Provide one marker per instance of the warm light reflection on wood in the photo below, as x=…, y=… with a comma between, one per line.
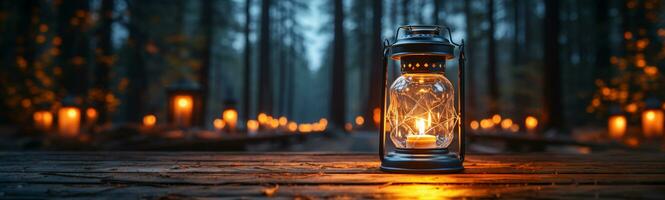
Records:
x=616, y=126
x=69, y=121
x=652, y=123
x=182, y=111
x=428, y=192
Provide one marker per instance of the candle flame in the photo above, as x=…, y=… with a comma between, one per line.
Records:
x=420, y=124
x=183, y=101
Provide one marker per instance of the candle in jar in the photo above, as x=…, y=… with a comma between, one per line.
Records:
x=69, y=121
x=652, y=123
x=421, y=140
x=616, y=126
x=182, y=112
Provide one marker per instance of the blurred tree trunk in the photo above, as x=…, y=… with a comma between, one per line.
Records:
x=552, y=87
x=602, y=43
x=207, y=18
x=376, y=67
x=437, y=10
x=282, y=32
x=72, y=27
x=405, y=12
x=471, y=85
x=248, y=62
x=492, y=76
x=338, y=85
x=136, y=72
x=104, y=60
x=265, y=74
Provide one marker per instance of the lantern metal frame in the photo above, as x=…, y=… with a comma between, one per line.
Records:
x=423, y=40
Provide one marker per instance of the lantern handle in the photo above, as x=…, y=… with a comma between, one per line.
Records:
x=461, y=126
x=384, y=84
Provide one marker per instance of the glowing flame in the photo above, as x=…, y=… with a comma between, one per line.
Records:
x=420, y=124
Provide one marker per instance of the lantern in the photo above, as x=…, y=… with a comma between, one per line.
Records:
x=230, y=115
x=421, y=112
x=653, y=119
x=184, y=104
x=616, y=123
x=43, y=118
x=69, y=118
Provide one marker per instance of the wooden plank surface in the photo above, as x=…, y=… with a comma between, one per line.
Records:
x=323, y=175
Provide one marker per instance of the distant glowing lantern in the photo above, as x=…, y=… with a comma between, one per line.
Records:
x=252, y=126
x=616, y=123
x=292, y=126
x=531, y=124
x=230, y=115
x=496, y=119
x=69, y=118
x=506, y=124
x=283, y=121
x=149, y=121
x=43, y=119
x=422, y=112
x=653, y=119
x=218, y=124
x=91, y=116
x=376, y=116
x=474, y=125
x=230, y=118
x=305, y=128
x=263, y=118
x=184, y=104
x=360, y=120
x=348, y=127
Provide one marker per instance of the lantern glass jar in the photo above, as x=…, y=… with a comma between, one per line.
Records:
x=422, y=112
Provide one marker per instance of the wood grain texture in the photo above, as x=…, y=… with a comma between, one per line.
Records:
x=150, y=175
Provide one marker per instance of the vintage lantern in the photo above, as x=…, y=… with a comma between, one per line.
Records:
x=69, y=118
x=184, y=104
x=421, y=111
x=617, y=124
x=653, y=119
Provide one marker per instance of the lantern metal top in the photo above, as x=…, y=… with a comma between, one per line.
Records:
x=422, y=40
x=184, y=85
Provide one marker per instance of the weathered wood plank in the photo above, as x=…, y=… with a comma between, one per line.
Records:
x=322, y=178
x=392, y=191
x=130, y=175
x=472, y=167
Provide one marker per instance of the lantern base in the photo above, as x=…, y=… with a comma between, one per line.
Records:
x=421, y=161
